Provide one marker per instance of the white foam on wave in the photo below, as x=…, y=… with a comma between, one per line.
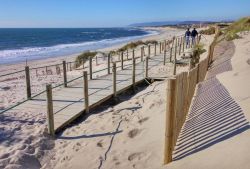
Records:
x=15, y=55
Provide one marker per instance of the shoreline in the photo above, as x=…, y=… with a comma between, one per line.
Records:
x=165, y=32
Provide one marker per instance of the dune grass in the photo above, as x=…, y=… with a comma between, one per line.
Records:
x=231, y=31
x=83, y=57
x=209, y=31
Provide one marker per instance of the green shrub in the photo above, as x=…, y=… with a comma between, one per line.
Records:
x=82, y=58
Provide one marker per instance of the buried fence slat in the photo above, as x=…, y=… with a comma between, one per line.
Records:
x=170, y=119
x=28, y=86
x=50, y=115
x=85, y=91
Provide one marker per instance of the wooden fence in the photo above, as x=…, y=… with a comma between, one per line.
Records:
x=180, y=92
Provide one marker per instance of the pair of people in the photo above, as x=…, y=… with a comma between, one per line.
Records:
x=193, y=35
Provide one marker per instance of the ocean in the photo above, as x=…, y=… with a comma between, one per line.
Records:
x=19, y=44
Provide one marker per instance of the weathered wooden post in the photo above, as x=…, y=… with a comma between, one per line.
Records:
x=133, y=54
x=70, y=66
x=127, y=54
x=64, y=74
x=122, y=60
x=142, y=53
x=50, y=114
x=170, y=120
x=164, y=59
x=133, y=75
x=109, y=57
x=160, y=47
x=146, y=67
x=183, y=45
x=149, y=52
x=28, y=86
x=85, y=91
x=198, y=73
x=155, y=48
x=114, y=79
x=96, y=60
x=46, y=70
x=90, y=68
x=175, y=51
x=171, y=54
x=174, y=72
x=180, y=49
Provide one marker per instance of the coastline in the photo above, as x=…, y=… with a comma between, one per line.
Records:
x=165, y=32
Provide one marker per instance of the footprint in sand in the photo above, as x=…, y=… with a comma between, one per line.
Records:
x=135, y=156
x=133, y=133
x=143, y=120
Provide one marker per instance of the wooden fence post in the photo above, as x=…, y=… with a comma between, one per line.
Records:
x=146, y=67
x=149, y=51
x=64, y=74
x=142, y=53
x=127, y=54
x=50, y=114
x=170, y=120
x=183, y=44
x=198, y=73
x=133, y=54
x=155, y=48
x=114, y=79
x=109, y=63
x=174, y=72
x=160, y=47
x=90, y=68
x=96, y=60
x=164, y=59
x=133, y=74
x=122, y=60
x=28, y=86
x=85, y=91
x=180, y=49
x=171, y=54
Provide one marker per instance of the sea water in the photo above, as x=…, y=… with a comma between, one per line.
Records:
x=19, y=44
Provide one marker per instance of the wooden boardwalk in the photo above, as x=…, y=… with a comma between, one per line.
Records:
x=68, y=102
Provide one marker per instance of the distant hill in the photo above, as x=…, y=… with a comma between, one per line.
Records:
x=170, y=23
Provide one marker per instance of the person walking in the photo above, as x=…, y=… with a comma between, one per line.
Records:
x=187, y=37
x=194, y=34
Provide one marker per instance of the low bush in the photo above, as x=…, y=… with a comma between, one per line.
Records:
x=82, y=58
x=209, y=31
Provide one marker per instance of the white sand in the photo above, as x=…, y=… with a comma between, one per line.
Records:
x=127, y=135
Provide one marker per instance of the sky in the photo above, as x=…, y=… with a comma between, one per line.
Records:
x=114, y=13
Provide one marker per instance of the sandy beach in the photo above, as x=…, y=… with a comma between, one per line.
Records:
x=24, y=139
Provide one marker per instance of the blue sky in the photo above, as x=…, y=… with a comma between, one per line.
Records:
x=113, y=13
